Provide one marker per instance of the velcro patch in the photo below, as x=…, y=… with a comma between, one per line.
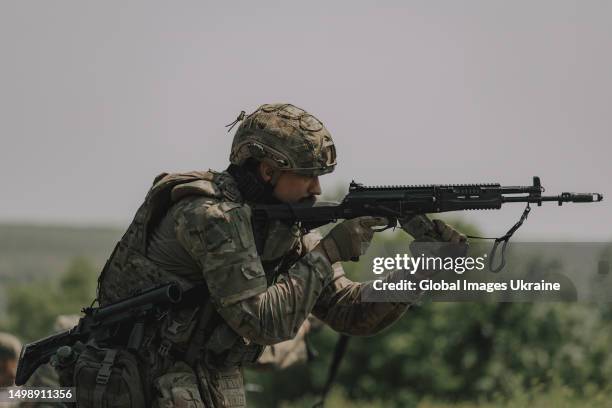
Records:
x=197, y=187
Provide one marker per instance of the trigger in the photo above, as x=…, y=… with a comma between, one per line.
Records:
x=392, y=224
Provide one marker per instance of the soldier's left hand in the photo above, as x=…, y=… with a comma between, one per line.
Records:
x=448, y=233
x=425, y=230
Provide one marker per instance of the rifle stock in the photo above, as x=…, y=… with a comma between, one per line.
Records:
x=39, y=352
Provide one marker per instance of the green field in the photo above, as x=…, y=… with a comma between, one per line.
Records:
x=30, y=252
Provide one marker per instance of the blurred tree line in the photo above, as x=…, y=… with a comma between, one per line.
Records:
x=450, y=352
x=32, y=307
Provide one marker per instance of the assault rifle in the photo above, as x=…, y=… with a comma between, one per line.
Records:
x=397, y=202
x=123, y=321
x=401, y=202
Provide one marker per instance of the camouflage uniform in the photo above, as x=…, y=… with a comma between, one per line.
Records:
x=196, y=227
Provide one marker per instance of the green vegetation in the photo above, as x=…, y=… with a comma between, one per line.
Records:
x=557, y=396
x=463, y=352
x=30, y=254
x=439, y=355
x=33, y=307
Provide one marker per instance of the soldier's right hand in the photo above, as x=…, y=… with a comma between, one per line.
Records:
x=350, y=239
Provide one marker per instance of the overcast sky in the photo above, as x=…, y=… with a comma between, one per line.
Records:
x=96, y=98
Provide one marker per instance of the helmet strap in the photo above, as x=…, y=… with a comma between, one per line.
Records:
x=275, y=176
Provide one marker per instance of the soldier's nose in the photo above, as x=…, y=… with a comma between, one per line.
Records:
x=315, y=186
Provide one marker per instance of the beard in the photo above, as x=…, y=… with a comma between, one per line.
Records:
x=310, y=200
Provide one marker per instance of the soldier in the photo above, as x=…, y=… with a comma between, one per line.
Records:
x=263, y=280
x=10, y=347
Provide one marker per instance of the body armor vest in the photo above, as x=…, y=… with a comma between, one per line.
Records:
x=128, y=269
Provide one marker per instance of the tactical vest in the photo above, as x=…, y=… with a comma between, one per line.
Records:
x=128, y=269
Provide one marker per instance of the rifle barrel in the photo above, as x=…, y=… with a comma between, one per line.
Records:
x=561, y=198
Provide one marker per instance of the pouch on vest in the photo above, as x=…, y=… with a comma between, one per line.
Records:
x=106, y=377
x=178, y=388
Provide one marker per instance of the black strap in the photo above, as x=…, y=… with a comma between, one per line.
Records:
x=505, y=238
x=196, y=345
x=339, y=351
x=104, y=374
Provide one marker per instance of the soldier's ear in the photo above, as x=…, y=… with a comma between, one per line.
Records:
x=266, y=172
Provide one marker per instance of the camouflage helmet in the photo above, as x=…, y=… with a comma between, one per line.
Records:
x=287, y=137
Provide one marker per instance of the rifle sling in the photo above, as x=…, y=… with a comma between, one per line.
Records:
x=505, y=239
x=339, y=351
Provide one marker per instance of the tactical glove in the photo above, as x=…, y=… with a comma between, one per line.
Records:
x=350, y=239
x=425, y=230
